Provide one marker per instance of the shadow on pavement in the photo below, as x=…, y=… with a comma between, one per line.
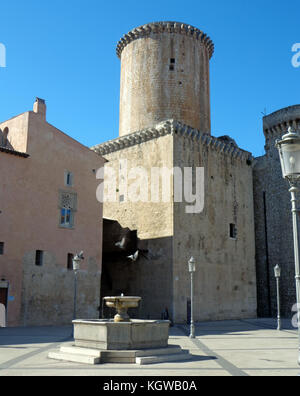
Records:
x=41, y=335
x=33, y=335
x=232, y=327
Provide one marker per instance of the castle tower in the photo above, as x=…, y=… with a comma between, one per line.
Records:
x=165, y=125
x=164, y=75
x=273, y=221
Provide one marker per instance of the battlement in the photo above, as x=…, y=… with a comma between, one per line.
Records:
x=222, y=144
x=278, y=122
x=165, y=27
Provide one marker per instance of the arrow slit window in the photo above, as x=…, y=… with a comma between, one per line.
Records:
x=232, y=231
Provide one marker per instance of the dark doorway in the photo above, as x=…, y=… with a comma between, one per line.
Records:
x=3, y=296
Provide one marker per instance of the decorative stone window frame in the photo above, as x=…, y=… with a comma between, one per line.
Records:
x=67, y=200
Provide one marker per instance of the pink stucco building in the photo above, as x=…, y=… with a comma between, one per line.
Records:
x=48, y=212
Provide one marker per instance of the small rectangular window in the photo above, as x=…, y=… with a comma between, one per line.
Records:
x=172, y=60
x=39, y=258
x=70, y=261
x=1, y=248
x=68, y=179
x=171, y=67
x=232, y=231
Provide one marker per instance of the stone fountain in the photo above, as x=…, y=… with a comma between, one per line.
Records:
x=120, y=340
x=122, y=304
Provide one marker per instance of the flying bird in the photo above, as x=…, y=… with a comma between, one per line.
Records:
x=121, y=244
x=80, y=255
x=134, y=256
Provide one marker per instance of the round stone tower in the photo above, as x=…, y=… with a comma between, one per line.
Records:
x=273, y=221
x=164, y=75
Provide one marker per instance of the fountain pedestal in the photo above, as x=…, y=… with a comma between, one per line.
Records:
x=110, y=335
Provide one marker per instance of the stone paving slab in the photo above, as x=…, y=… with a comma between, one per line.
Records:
x=228, y=348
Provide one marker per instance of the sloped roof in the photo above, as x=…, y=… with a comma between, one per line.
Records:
x=13, y=152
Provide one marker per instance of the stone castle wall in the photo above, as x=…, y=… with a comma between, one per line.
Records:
x=225, y=279
x=273, y=219
x=149, y=277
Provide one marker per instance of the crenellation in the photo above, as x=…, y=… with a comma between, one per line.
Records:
x=278, y=130
x=218, y=146
x=279, y=121
x=205, y=39
x=170, y=127
x=177, y=28
x=209, y=141
x=295, y=124
x=131, y=35
x=231, y=150
x=235, y=153
x=161, y=27
x=147, y=29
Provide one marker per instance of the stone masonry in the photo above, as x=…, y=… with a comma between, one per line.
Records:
x=164, y=75
x=273, y=218
x=226, y=267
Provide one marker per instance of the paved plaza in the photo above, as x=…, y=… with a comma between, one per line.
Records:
x=251, y=347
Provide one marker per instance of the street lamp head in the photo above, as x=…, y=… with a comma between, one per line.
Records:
x=76, y=261
x=277, y=271
x=289, y=153
x=192, y=265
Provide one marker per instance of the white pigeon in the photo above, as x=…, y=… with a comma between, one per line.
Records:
x=121, y=244
x=134, y=256
x=80, y=255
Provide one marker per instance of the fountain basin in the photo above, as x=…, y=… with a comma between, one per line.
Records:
x=109, y=335
x=122, y=304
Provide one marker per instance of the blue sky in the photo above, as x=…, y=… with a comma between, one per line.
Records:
x=64, y=52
